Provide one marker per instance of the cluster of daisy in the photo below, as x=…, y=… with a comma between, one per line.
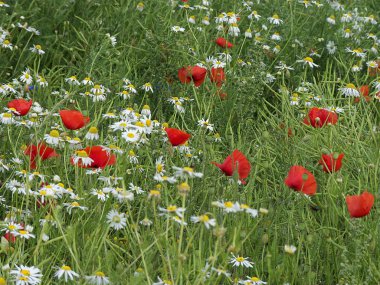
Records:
x=31, y=275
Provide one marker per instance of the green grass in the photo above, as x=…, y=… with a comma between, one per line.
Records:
x=332, y=248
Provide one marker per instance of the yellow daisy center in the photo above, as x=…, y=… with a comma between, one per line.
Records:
x=54, y=134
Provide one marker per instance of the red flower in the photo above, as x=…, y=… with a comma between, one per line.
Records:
x=236, y=161
x=222, y=95
x=300, y=179
x=360, y=205
x=319, y=117
x=177, y=137
x=331, y=162
x=39, y=150
x=218, y=76
x=73, y=120
x=99, y=155
x=192, y=73
x=222, y=42
x=364, y=91
x=21, y=106
x=11, y=238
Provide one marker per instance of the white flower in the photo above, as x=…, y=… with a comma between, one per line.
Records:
x=248, y=210
x=131, y=135
x=308, y=61
x=147, y=87
x=99, y=278
x=290, y=249
x=92, y=134
x=205, y=219
x=234, y=30
x=116, y=220
x=146, y=222
x=228, y=206
x=7, y=119
x=37, y=49
x=240, y=261
x=350, y=90
x=163, y=282
x=25, y=275
x=205, y=124
x=186, y=172
x=26, y=77
x=99, y=194
x=65, y=272
x=72, y=80
x=172, y=209
x=74, y=205
x=177, y=29
x=82, y=157
x=331, y=47
x=179, y=220
x=275, y=19
x=218, y=63
x=252, y=281
x=358, y=52
x=254, y=15
x=112, y=39
x=53, y=137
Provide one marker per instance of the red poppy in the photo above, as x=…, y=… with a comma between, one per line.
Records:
x=360, y=205
x=222, y=95
x=236, y=161
x=222, y=42
x=100, y=156
x=218, y=76
x=177, y=137
x=11, y=238
x=300, y=179
x=319, y=117
x=195, y=73
x=73, y=120
x=290, y=131
x=364, y=91
x=21, y=106
x=331, y=162
x=39, y=150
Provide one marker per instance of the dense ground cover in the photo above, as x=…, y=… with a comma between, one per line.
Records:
x=189, y=142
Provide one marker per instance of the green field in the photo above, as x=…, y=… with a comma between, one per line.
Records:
x=190, y=142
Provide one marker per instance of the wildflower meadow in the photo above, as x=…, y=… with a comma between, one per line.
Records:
x=171, y=142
